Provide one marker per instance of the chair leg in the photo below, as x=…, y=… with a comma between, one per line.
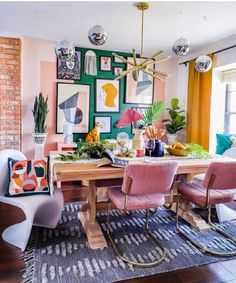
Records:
x=125, y=259
x=200, y=247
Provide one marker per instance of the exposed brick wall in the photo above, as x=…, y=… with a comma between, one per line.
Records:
x=10, y=93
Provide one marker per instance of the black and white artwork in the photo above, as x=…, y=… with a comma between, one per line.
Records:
x=69, y=70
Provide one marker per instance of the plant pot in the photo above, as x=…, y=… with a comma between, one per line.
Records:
x=158, y=150
x=138, y=142
x=171, y=138
x=39, y=142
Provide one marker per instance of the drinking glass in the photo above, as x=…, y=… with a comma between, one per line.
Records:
x=150, y=146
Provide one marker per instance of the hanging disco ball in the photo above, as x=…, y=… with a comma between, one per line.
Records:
x=65, y=50
x=180, y=46
x=97, y=35
x=203, y=63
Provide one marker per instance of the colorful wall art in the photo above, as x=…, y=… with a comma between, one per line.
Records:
x=140, y=92
x=105, y=122
x=105, y=63
x=107, y=97
x=73, y=107
x=69, y=70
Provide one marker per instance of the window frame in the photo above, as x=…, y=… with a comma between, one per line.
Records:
x=228, y=113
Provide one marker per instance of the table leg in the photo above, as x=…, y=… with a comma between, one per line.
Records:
x=87, y=216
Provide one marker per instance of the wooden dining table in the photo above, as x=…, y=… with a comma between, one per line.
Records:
x=93, y=175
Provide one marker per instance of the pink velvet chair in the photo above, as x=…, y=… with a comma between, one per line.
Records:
x=143, y=187
x=218, y=186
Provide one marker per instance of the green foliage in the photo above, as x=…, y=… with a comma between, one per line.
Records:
x=198, y=151
x=87, y=150
x=153, y=112
x=40, y=112
x=176, y=122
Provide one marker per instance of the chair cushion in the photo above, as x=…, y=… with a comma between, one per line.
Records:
x=135, y=201
x=27, y=177
x=195, y=193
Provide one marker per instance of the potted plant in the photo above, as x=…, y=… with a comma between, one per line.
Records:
x=40, y=111
x=176, y=122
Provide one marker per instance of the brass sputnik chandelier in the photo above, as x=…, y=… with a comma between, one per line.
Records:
x=145, y=65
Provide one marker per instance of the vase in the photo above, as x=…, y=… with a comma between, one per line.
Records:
x=39, y=142
x=138, y=142
x=158, y=150
x=171, y=138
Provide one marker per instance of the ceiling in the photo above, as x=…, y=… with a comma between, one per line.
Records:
x=202, y=23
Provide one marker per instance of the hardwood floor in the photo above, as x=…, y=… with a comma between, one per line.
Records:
x=11, y=264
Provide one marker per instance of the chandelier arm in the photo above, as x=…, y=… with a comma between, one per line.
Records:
x=152, y=57
x=154, y=76
x=123, y=59
x=134, y=56
x=126, y=72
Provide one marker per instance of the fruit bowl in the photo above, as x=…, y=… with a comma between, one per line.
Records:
x=178, y=152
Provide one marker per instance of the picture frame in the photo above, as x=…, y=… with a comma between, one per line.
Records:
x=117, y=71
x=106, y=123
x=146, y=89
x=105, y=63
x=73, y=102
x=107, y=95
x=136, y=124
x=117, y=60
x=70, y=70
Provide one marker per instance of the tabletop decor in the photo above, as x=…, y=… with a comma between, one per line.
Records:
x=153, y=133
x=73, y=107
x=94, y=135
x=175, y=122
x=40, y=111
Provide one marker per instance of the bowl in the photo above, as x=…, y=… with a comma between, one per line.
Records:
x=177, y=152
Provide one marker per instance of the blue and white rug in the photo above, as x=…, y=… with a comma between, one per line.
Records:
x=63, y=254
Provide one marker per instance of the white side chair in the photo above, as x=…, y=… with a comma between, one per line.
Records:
x=39, y=210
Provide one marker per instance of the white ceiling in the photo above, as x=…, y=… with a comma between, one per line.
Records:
x=164, y=22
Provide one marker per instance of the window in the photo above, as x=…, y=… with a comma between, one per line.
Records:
x=230, y=109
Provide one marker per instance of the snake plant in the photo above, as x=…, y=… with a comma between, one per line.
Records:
x=40, y=112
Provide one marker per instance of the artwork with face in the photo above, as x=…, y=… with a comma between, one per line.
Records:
x=69, y=69
x=107, y=95
x=73, y=107
x=105, y=63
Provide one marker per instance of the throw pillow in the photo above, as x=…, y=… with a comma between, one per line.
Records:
x=223, y=143
x=233, y=139
x=27, y=177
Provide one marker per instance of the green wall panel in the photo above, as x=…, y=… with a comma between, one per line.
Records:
x=85, y=79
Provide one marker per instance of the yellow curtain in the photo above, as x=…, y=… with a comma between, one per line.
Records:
x=198, y=106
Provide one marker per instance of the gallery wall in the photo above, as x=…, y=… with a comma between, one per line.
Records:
x=39, y=74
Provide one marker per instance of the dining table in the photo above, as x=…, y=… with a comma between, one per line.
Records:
x=105, y=176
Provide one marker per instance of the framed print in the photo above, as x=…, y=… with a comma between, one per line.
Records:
x=105, y=122
x=69, y=70
x=73, y=107
x=105, y=63
x=117, y=71
x=139, y=123
x=117, y=60
x=107, y=95
x=140, y=92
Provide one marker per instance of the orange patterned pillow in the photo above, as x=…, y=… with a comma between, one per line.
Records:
x=28, y=177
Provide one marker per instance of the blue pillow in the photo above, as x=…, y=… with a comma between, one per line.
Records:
x=223, y=143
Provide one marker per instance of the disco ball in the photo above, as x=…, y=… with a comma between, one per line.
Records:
x=97, y=35
x=65, y=50
x=203, y=63
x=180, y=46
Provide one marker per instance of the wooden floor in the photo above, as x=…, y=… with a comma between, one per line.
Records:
x=11, y=264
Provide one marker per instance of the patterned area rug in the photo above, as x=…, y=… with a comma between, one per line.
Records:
x=63, y=255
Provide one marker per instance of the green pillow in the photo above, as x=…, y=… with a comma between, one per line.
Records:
x=223, y=143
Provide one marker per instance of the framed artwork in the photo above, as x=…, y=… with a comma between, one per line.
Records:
x=107, y=95
x=117, y=71
x=105, y=63
x=73, y=107
x=69, y=70
x=139, y=123
x=105, y=122
x=140, y=92
x=117, y=60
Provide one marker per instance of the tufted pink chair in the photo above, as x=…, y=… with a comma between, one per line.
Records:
x=217, y=186
x=143, y=187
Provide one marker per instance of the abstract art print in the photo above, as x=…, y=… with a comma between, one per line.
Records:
x=140, y=92
x=105, y=122
x=107, y=96
x=69, y=70
x=105, y=63
x=73, y=107
x=117, y=71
